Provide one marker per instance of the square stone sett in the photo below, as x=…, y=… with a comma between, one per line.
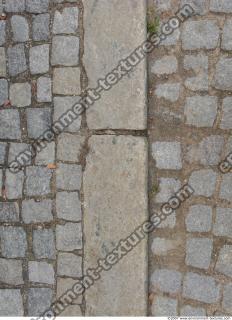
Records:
x=35, y=212
x=210, y=150
x=226, y=122
x=40, y=27
x=13, y=242
x=39, y=300
x=14, y=5
x=16, y=59
x=69, y=236
x=1, y=176
x=226, y=187
x=70, y=265
x=199, y=252
x=66, y=81
x=3, y=91
x=39, y=59
x=20, y=28
x=68, y=177
x=166, y=280
x=162, y=5
x=37, y=6
x=224, y=263
x=2, y=152
x=2, y=32
x=172, y=39
x=68, y=206
x=38, y=121
x=44, y=89
x=11, y=272
x=167, y=155
x=47, y=155
x=38, y=180
x=221, y=6
x=164, y=307
x=72, y=311
x=189, y=311
x=44, y=244
x=199, y=64
x=11, y=303
x=69, y=147
x=16, y=149
x=14, y=184
x=66, y=284
x=167, y=189
x=203, y=182
x=201, y=288
x=66, y=21
x=227, y=35
x=223, y=74
x=65, y=50
x=169, y=222
x=41, y=272
x=163, y=246
x=165, y=65
x=199, y=219
x=227, y=301
x=10, y=124
x=200, y=7
x=2, y=62
x=168, y=91
x=9, y=212
x=223, y=223
x=20, y=94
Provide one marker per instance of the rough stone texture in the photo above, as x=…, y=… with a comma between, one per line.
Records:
x=70, y=265
x=40, y=27
x=38, y=181
x=227, y=294
x=199, y=64
x=41, y=272
x=9, y=212
x=164, y=307
x=223, y=74
x=20, y=94
x=65, y=50
x=112, y=159
x=189, y=311
x=199, y=219
x=69, y=237
x=201, y=288
x=17, y=148
x=38, y=121
x=168, y=91
x=14, y=184
x=39, y=300
x=3, y=91
x=2, y=32
x=165, y=280
x=44, y=244
x=9, y=124
x=203, y=182
x=199, y=6
x=2, y=152
x=13, y=242
x=72, y=311
x=129, y=107
x=162, y=5
x=14, y=5
x=16, y=59
x=167, y=155
x=199, y=252
x=69, y=147
x=226, y=187
x=11, y=303
x=35, y=6
x=224, y=263
x=211, y=149
x=44, y=89
x=66, y=21
x=68, y=177
x=221, y=6
x=68, y=206
x=223, y=223
x=2, y=62
x=33, y=212
x=20, y=28
x=66, y=81
x=167, y=189
x=227, y=37
x=47, y=155
x=64, y=284
x=165, y=65
x=163, y=246
x=11, y=272
x=39, y=59
x=226, y=122
x=200, y=35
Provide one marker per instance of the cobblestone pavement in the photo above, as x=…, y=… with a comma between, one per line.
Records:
x=190, y=118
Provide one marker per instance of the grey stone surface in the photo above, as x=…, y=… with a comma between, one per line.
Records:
x=65, y=50
x=39, y=59
x=39, y=300
x=68, y=176
x=11, y=303
x=9, y=124
x=168, y=91
x=227, y=35
x=163, y=246
x=164, y=307
x=2, y=32
x=13, y=242
x=200, y=7
x=167, y=155
x=38, y=180
x=69, y=236
x=40, y=27
x=221, y=6
x=227, y=294
x=166, y=280
x=63, y=105
x=69, y=264
x=167, y=189
x=44, y=244
x=162, y=5
x=211, y=149
x=64, y=284
x=201, y=111
x=2, y=62
x=66, y=21
x=14, y=184
x=68, y=206
x=44, y=89
x=165, y=65
x=199, y=219
x=9, y=212
x=189, y=311
x=169, y=222
x=114, y=160
x=37, y=6
x=72, y=311
x=3, y=91
x=226, y=187
x=223, y=223
x=199, y=252
x=47, y=155
x=199, y=64
x=38, y=121
x=201, y=288
x=202, y=34
x=66, y=81
x=2, y=152
x=15, y=149
x=16, y=59
x=226, y=121
x=41, y=272
x=20, y=28
x=203, y=182
x=20, y=94
x=171, y=39
x=224, y=263
x=11, y=272
x=34, y=212
x=69, y=147
x=223, y=74
x=14, y=5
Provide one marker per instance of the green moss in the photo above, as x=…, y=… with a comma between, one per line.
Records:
x=153, y=21
x=154, y=189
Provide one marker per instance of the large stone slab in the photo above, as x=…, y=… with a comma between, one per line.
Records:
x=115, y=191
x=124, y=106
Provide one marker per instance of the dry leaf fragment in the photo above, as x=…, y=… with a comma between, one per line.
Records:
x=51, y=166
